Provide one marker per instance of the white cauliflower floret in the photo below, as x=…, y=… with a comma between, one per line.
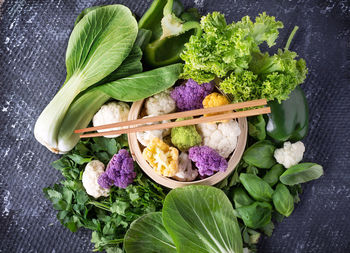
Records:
x=112, y=112
x=146, y=137
x=92, y=172
x=290, y=154
x=221, y=136
x=186, y=173
x=160, y=103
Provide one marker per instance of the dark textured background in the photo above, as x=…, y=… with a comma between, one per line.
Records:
x=33, y=39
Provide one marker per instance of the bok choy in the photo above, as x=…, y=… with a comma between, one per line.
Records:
x=99, y=43
x=103, y=61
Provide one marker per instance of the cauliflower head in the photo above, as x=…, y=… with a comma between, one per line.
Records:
x=290, y=154
x=186, y=173
x=214, y=99
x=189, y=96
x=220, y=136
x=207, y=160
x=160, y=103
x=145, y=137
x=185, y=137
x=162, y=157
x=109, y=113
x=92, y=172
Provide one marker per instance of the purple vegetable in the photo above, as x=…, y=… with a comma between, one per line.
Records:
x=190, y=95
x=120, y=170
x=207, y=160
x=104, y=181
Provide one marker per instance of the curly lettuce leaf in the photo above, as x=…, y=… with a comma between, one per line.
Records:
x=224, y=48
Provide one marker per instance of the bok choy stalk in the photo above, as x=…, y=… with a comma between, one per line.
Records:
x=99, y=43
x=129, y=89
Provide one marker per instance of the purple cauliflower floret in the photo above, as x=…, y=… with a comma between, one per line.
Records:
x=120, y=171
x=189, y=96
x=207, y=160
x=104, y=181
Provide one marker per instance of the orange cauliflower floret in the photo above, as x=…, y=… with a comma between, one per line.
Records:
x=162, y=157
x=212, y=100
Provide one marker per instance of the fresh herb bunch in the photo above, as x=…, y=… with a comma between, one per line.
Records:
x=108, y=217
x=231, y=53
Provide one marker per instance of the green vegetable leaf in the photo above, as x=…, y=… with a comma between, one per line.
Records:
x=201, y=219
x=301, y=173
x=241, y=198
x=268, y=228
x=256, y=215
x=98, y=45
x=283, y=200
x=107, y=52
x=119, y=207
x=148, y=234
x=256, y=187
x=272, y=176
x=260, y=154
x=140, y=86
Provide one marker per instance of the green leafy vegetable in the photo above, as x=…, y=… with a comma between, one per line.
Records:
x=301, y=173
x=201, y=219
x=109, y=217
x=241, y=198
x=231, y=52
x=92, y=54
x=224, y=48
x=256, y=215
x=260, y=154
x=273, y=175
x=283, y=200
x=148, y=234
x=256, y=127
x=256, y=187
x=144, y=84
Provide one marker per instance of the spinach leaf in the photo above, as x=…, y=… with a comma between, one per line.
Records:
x=260, y=154
x=256, y=187
x=241, y=198
x=148, y=234
x=256, y=215
x=301, y=173
x=283, y=200
x=256, y=127
x=201, y=219
x=142, y=85
x=273, y=175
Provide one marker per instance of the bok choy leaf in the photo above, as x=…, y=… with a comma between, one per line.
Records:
x=98, y=45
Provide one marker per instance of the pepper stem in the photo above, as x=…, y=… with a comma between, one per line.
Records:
x=291, y=38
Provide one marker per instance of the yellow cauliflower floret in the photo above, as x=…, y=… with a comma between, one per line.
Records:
x=212, y=100
x=162, y=157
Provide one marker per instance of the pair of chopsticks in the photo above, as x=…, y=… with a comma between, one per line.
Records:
x=225, y=110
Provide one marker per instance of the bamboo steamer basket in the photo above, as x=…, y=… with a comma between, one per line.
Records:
x=136, y=151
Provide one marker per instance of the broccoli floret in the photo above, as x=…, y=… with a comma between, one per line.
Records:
x=185, y=137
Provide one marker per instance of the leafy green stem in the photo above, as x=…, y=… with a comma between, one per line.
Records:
x=110, y=243
x=291, y=36
x=100, y=205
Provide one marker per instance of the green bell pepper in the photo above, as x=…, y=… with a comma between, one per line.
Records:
x=171, y=28
x=289, y=120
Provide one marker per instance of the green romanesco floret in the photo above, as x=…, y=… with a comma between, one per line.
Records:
x=185, y=137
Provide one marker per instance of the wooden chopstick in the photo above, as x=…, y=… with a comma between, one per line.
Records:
x=176, y=115
x=188, y=122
